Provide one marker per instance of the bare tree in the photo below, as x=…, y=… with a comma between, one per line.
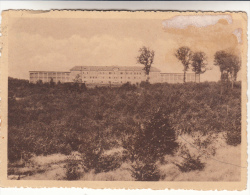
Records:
x=199, y=63
x=184, y=54
x=229, y=65
x=146, y=58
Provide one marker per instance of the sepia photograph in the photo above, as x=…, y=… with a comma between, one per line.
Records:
x=125, y=96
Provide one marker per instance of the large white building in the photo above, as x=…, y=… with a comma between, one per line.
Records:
x=110, y=75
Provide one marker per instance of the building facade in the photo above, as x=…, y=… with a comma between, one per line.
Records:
x=178, y=77
x=48, y=76
x=110, y=75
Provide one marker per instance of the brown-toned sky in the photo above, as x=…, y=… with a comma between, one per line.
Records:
x=61, y=43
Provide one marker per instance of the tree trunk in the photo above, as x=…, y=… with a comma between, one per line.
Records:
x=184, y=77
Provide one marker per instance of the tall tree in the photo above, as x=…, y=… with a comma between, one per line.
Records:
x=199, y=63
x=229, y=65
x=146, y=58
x=236, y=65
x=184, y=54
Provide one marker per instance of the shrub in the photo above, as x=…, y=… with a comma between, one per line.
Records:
x=233, y=137
x=128, y=87
x=144, y=84
x=191, y=163
x=151, y=142
x=74, y=167
x=145, y=171
x=153, y=139
x=107, y=163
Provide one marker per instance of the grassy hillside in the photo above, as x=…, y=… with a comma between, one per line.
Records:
x=144, y=123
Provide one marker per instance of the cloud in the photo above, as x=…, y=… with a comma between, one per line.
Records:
x=182, y=22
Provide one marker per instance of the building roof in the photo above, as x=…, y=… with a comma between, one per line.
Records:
x=112, y=68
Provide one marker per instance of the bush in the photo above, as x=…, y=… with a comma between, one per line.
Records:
x=153, y=139
x=233, y=137
x=107, y=163
x=128, y=86
x=74, y=167
x=144, y=84
x=145, y=171
x=191, y=163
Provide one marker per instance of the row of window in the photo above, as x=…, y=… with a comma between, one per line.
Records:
x=46, y=78
x=112, y=77
x=49, y=79
x=49, y=73
x=106, y=82
x=96, y=72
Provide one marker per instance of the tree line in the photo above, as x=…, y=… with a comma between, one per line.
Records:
x=228, y=63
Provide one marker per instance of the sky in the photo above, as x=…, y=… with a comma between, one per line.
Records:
x=58, y=44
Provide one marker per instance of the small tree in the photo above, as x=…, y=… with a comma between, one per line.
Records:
x=229, y=65
x=146, y=58
x=184, y=54
x=150, y=143
x=78, y=79
x=199, y=63
x=52, y=83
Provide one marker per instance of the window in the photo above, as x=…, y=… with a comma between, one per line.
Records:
x=121, y=72
x=121, y=77
x=109, y=77
x=110, y=72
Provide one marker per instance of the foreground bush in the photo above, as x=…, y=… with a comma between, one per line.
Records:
x=145, y=171
x=191, y=163
x=153, y=139
x=74, y=167
x=151, y=142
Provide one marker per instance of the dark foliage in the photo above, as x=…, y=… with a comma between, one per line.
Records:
x=153, y=139
x=145, y=171
x=60, y=118
x=191, y=163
